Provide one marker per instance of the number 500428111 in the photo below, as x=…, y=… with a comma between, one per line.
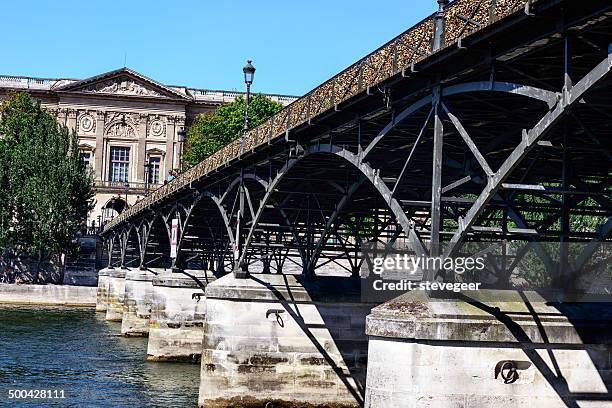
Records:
x=36, y=394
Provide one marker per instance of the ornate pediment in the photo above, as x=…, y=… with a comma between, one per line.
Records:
x=86, y=146
x=122, y=82
x=122, y=85
x=155, y=151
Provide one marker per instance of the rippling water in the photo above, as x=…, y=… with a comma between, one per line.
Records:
x=76, y=350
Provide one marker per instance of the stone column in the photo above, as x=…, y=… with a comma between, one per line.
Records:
x=52, y=110
x=71, y=122
x=170, y=133
x=142, y=147
x=99, y=153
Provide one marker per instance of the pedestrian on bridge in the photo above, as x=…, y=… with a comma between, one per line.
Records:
x=171, y=175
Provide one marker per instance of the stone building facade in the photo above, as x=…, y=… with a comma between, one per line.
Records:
x=131, y=128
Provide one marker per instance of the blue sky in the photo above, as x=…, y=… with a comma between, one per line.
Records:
x=295, y=45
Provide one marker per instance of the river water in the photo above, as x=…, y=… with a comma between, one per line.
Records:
x=77, y=351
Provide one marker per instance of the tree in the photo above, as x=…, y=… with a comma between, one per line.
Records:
x=211, y=131
x=46, y=191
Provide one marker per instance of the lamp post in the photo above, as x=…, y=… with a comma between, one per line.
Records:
x=438, y=37
x=241, y=270
x=127, y=189
x=148, y=167
x=249, y=73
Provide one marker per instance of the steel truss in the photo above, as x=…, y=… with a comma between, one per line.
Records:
x=510, y=144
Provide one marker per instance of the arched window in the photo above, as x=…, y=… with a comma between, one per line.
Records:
x=113, y=208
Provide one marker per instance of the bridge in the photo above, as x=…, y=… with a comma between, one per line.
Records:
x=431, y=137
x=486, y=122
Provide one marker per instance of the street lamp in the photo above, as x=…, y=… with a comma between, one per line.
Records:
x=249, y=73
x=241, y=270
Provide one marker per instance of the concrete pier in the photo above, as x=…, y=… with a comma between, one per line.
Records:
x=138, y=299
x=488, y=348
x=177, y=316
x=102, y=292
x=116, y=292
x=278, y=338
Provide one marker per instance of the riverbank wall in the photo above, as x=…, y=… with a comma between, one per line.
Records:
x=48, y=295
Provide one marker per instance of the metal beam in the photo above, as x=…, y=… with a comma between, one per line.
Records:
x=529, y=140
x=331, y=220
x=468, y=141
x=366, y=170
x=543, y=95
x=436, y=185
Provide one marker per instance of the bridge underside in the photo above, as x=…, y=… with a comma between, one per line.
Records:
x=506, y=138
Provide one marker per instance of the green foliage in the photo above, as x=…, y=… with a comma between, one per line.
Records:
x=46, y=190
x=530, y=272
x=211, y=131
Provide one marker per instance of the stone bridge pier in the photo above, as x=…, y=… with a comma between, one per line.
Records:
x=178, y=311
x=116, y=294
x=143, y=289
x=137, y=302
x=280, y=337
x=489, y=348
x=102, y=292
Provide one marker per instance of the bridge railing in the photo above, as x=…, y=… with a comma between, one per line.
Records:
x=462, y=18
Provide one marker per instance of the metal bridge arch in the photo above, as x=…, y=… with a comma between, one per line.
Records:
x=184, y=221
x=369, y=173
x=146, y=227
x=220, y=200
x=549, y=97
x=570, y=96
x=558, y=105
x=543, y=121
x=127, y=237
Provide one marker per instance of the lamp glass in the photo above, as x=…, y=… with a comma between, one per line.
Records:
x=249, y=73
